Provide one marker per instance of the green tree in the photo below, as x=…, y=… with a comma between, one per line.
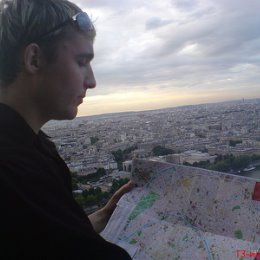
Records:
x=79, y=198
x=221, y=166
x=202, y=164
x=118, y=155
x=101, y=172
x=95, y=196
x=160, y=150
x=229, y=163
x=233, y=143
x=255, y=157
x=74, y=180
x=116, y=184
x=93, y=140
x=121, y=156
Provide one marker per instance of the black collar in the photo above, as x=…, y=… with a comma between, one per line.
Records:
x=13, y=127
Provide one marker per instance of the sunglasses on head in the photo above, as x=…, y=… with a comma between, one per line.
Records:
x=81, y=20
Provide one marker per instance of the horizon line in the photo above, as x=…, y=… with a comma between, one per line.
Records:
x=164, y=108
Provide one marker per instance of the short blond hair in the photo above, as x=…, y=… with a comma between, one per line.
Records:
x=23, y=22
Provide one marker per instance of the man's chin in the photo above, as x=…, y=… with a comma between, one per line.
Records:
x=69, y=115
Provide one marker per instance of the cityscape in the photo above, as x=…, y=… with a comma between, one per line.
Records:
x=188, y=134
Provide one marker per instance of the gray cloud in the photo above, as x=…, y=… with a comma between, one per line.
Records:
x=156, y=22
x=184, y=4
x=176, y=43
x=110, y=4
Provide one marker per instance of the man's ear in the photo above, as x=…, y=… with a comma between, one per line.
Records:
x=32, y=58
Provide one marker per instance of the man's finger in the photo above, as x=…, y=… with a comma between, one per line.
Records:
x=124, y=189
x=111, y=204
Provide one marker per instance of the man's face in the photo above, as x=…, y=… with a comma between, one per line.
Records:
x=64, y=83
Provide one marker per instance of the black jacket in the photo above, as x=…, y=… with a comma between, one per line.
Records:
x=39, y=216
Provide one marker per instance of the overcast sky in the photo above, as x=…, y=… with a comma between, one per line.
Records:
x=163, y=53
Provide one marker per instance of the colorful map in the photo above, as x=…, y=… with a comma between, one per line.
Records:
x=181, y=212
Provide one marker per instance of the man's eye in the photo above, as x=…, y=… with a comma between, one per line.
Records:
x=82, y=62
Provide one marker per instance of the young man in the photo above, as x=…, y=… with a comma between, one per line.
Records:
x=46, y=47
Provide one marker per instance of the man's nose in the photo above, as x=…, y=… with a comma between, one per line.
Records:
x=90, y=81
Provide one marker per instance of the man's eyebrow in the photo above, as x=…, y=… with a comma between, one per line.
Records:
x=86, y=55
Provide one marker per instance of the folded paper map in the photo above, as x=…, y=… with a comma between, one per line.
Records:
x=181, y=212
